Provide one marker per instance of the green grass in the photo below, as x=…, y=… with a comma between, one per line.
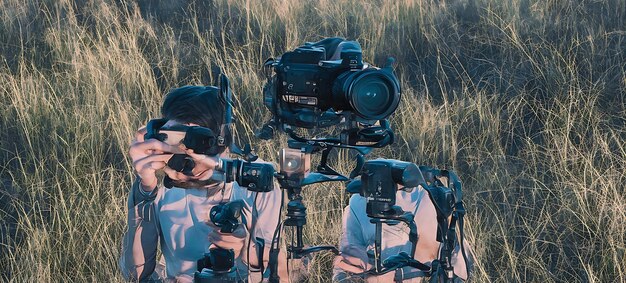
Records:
x=523, y=98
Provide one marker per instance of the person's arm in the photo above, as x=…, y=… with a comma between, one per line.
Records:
x=352, y=244
x=138, y=257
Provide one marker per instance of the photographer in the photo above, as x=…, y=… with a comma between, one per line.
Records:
x=178, y=217
x=357, y=240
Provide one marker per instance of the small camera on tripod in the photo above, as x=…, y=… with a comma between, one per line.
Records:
x=379, y=183
x=218, y=265
x=255, y=176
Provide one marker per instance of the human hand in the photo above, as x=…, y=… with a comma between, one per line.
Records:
x=352, y=259
x=149, y=156
x=204, y=165
x=235, y=240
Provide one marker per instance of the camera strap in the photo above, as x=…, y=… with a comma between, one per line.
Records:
x=260, y=244
x=458, y=212
x=448, y=201
x=225, y=94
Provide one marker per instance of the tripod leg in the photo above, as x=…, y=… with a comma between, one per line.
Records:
x=377, y=247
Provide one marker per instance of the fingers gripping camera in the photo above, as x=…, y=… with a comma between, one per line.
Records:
x=256, y=176
x=200, y=139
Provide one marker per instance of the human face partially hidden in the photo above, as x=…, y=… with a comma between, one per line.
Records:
x=203, y=173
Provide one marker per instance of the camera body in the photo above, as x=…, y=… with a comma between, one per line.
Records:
x=310, y=87
x=200, y=139
x=255, y=176
x=379, y=183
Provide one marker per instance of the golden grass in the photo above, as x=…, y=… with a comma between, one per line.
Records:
x=524, y=98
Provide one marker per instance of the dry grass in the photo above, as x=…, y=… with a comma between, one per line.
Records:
x=524, y=98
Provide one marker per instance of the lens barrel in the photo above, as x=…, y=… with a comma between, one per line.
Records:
x=372, y=94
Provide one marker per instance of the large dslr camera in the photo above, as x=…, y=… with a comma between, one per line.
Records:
x=326, y=83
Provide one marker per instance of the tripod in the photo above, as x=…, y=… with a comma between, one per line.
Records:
x=381, y=209
x=296, y=217
x=394, y=217
x=296, y=209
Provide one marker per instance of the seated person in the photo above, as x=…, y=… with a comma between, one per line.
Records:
x=177, y=218
x=358, y=235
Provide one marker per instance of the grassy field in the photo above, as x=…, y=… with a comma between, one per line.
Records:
x=525, y=99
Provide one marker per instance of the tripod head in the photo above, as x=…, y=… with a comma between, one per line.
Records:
x=379, y=181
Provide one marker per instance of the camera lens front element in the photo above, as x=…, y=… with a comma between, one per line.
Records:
x=294, y=162
x=372, y=94
x=292, y=165
x=370, y=98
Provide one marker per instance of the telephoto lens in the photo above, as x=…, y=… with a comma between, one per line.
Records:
x=372, y=94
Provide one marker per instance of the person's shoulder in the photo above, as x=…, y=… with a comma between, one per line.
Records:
x=357, y=202
x=414, y=194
